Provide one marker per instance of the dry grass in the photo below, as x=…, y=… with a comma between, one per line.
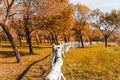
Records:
x=9, y=70
x=91, y=63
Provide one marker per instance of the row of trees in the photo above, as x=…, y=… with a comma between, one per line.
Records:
x=54, y=20
x=106, y=23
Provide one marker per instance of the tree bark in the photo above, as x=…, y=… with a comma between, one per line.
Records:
x=0, y=39
x=44, y=38
x=81, y=39
x=97, y=41
x=20, y=39
x=29, y=40
x=90, y=42
x=106, y=43
x=36, y=39
x=53, y=38
x=56, y=39
x=65, y=39
x=26, y=18
x=50, y=38
x=40, y=38
x=15, y=49
x=68, y=39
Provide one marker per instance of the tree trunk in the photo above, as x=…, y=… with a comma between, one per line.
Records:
x=5, y=39
x=97, y=41
x=20, y=39
x=81, y=39
x=53, y=38
x=68, y=39
x=15, y=49
x=26, y=18
x=30, y=45
x=36, y=39
x=65, y=39
x=106, y=43
x=90, y=42
x=29, y=40
x=0, y=39
x=40, y=38
x=50, y=38
x=56, y=39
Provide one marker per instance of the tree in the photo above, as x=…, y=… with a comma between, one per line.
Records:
x=56, y=20
x=17, y=26
x=6, y=8
x=0, y=37
x=94, y=34
x=31, y=16
x=27, y=14
x=81, y=21
x=113, y=37
x=107, y=23
x=67, y=22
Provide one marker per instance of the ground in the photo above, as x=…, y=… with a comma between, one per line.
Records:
x=90, y=63
x=33, y=67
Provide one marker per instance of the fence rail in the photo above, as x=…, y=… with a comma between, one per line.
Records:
x=56, y=60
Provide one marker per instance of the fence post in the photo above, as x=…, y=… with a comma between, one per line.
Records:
x=56, y=61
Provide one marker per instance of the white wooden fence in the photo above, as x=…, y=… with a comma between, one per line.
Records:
x=56, y=60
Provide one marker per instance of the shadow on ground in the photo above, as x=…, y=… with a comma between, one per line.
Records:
x=26, y=70
x=7, y=54
x=9, y=46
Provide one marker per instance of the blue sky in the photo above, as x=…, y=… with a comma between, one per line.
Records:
x=104, y=5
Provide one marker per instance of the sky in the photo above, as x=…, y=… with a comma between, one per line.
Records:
x=103, y=5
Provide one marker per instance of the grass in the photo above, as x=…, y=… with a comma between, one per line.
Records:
x=90, y=63
x=10, y=70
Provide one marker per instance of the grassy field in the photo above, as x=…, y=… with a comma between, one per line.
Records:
x=34, y=67
x=91, y=63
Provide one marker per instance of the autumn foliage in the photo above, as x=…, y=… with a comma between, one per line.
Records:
x=55, y=21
